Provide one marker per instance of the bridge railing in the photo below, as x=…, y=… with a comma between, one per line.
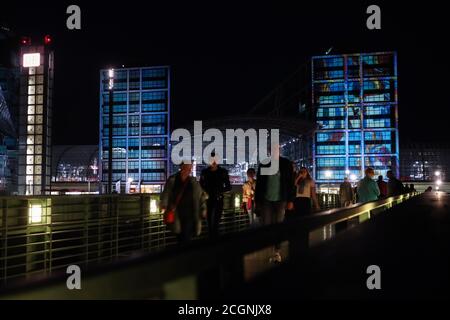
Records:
x=203, y=269
x=41, y=235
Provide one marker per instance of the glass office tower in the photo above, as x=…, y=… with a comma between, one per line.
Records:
x=355, y=102
x=140, y=128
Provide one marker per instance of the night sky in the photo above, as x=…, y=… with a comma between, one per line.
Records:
x=226, y=56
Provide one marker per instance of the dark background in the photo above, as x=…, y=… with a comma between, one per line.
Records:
x=226, y=56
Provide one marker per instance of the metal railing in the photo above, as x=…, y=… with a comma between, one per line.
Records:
x=41, y=235
x=210, y=259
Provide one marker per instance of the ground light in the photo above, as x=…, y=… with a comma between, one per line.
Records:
x=153, y=206
x=35, y=214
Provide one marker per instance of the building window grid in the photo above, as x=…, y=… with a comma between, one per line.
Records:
x=371, y=85
x=150, y=102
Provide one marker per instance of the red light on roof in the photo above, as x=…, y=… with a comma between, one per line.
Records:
x=25, y=41
x=47, y=39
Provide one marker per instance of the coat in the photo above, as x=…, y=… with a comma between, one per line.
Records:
x=199, y=202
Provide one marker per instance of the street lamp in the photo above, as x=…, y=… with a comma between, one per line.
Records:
x=110, y=132
x=437, y=173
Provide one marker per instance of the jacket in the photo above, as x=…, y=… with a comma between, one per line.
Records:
x=287, y=181
x=199, y=202
x=367, y=190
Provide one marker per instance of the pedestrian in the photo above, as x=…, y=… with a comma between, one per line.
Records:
x=412, y=188
x=346, y=193
x=306, y=195
x=215, y=181
x=367, y=187
x=248, y=196
x=183, y=203
x=274, y=194
x=382, y=185
x=394, y=186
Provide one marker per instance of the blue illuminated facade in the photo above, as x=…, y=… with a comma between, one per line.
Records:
x=141, y=116
x=355, y=101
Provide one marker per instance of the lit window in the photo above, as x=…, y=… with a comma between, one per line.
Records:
x=31, y=60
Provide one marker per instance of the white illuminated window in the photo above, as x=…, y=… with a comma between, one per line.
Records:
x=35, y=213
x=38, y=150
x=32, y=71
x=30, y=140
x=31, y=89
x=30, y=119
x=39, y=99
x=39, y=120
x=30, y=159
x=29, y=170
x=40, y=89
x=39, y=109
x=38, y=129
x=38, y=139
x=38, y=159
x=40, y=79
x=30, y=150
x=31, y=60
x=31, y=80
x=31, y=100
x=29, y=179
x=37, y=180
x=31, y=109
x=30, y=129
x=37, y=169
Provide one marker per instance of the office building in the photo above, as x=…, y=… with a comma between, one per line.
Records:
x=354, y=98
x=9, y=110
x=140, y=128
x=36, y=97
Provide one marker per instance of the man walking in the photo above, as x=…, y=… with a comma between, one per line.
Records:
x=215, y=181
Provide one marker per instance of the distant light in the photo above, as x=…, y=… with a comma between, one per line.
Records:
x=439, y=182
x=353, y=177
x=237, y=201
x=47, y=39
x=347, y=172
x=31, y=60
x=328, y=174
x=111, y=79
x=437, y=173
x=130, y=180
x=25, y=41
x=35, y=214
x=153, y=206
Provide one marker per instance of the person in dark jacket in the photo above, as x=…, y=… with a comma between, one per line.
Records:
x=274, y=194
x=394, y=186
x=215, y=181
x=382, y=185
x=184, y=195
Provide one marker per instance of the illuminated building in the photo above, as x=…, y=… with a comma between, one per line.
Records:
x=36, y=90
x=354, y=97
x=9, y=110
x=420, y=161
x=140, y=127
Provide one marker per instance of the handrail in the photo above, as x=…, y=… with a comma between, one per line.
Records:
x=137, y=275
